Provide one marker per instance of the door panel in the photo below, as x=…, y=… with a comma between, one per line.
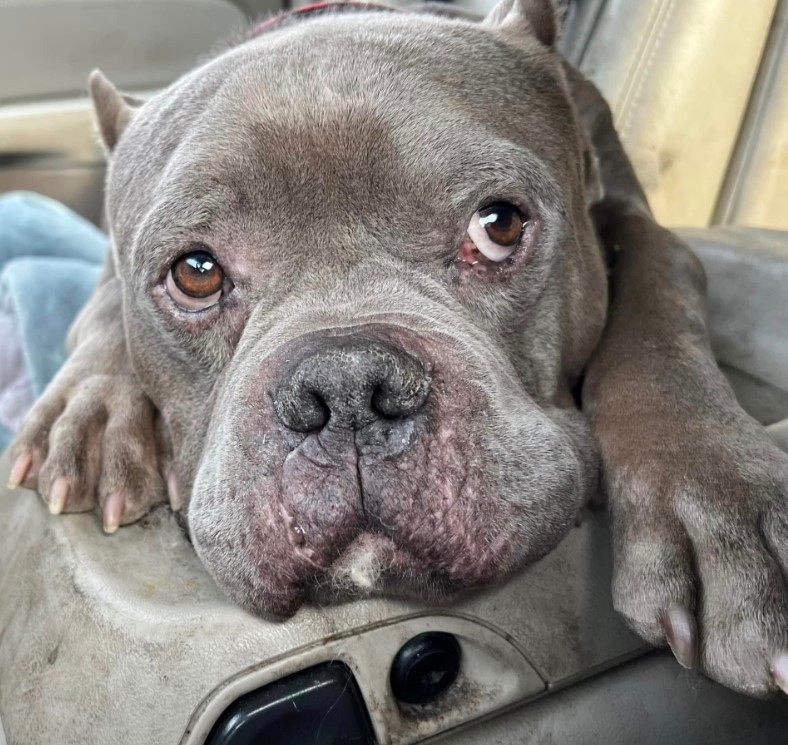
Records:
x=52, y=45
x=47, y=50
x=756, y=189
x=52, y=148
x=678, y=76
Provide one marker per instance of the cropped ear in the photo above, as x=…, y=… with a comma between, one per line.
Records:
x=535, y=17
x=113, y=110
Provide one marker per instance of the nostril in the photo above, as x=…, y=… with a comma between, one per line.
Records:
x=380, y=405
x=317, y=411
x=404, y=387
x=395, y=402
x=302, y=410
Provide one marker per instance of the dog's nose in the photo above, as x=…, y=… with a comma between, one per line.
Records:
x=349, y=383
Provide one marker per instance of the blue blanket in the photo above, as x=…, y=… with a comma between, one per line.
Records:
x=50, y=260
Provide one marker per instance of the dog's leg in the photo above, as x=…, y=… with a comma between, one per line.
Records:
x=91, y=438
x=698, y=493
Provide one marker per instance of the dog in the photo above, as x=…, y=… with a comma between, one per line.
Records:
x=383, y=300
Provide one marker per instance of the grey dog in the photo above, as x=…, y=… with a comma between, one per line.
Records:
x=361, y=264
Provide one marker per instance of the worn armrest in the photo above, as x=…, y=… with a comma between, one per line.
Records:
x=747, y=271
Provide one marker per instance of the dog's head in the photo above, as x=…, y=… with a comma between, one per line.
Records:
x=359, y=283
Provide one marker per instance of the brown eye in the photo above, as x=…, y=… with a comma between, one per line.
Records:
x=496, y=230
x=198, y=275
x=195, y=281
x=502, y=223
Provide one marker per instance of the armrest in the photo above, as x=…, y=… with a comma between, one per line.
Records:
x=747, y=269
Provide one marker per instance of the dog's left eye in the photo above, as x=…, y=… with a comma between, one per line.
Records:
x=493, y=234
x=196, y=281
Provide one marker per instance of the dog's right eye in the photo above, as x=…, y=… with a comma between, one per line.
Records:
x=196, y=281
x=493, y=235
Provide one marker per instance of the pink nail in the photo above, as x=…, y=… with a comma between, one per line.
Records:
x=113, y=511
x=19, y=469
x=58, y=495
x=174, y=491
x=780, y=671
x=682, y=635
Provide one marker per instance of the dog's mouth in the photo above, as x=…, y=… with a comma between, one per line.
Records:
x=361, y=510
x=359, y=467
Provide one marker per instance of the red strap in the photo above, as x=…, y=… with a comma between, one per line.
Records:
x=316, y=8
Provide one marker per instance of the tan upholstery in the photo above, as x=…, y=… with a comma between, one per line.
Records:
x=679, y=76
x=756, y=191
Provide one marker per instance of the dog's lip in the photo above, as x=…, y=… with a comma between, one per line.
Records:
x=358, y=570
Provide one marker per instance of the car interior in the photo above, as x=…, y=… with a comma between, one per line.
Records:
x=129, y=640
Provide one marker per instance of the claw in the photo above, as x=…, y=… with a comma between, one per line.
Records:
x=780, y=671
x=20, y=468
x=174, y=492
x=58, y=495
x=681, y=633
x=113, y=511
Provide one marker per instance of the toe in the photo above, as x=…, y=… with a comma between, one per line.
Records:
x=69, y=474
x=653, y=578
x=31, y=444
x=743, y=616
x=20, y=468
x=130, y=463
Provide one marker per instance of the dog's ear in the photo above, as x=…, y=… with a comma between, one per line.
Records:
x=113, y=109
x=536, y=17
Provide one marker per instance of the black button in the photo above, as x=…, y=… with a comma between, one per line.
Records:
x=321, y=705
x=425, y=667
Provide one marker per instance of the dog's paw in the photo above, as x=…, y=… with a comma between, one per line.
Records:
x=91, y=441
x=701, y=563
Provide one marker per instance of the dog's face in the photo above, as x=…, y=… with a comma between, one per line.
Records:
x=359, y=283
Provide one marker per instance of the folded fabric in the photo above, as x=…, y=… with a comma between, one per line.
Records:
x=50, y=260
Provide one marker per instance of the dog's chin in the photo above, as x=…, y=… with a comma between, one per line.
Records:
x=371, y=566
x=374, y=565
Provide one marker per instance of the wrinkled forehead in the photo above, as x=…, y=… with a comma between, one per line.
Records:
x=388, y=105
x=408, y=73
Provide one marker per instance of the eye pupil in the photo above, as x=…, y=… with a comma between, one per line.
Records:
x=198, y=275
x=502, y=223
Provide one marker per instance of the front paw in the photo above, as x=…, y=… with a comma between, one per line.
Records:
x=90, y=441
x=701, y=561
